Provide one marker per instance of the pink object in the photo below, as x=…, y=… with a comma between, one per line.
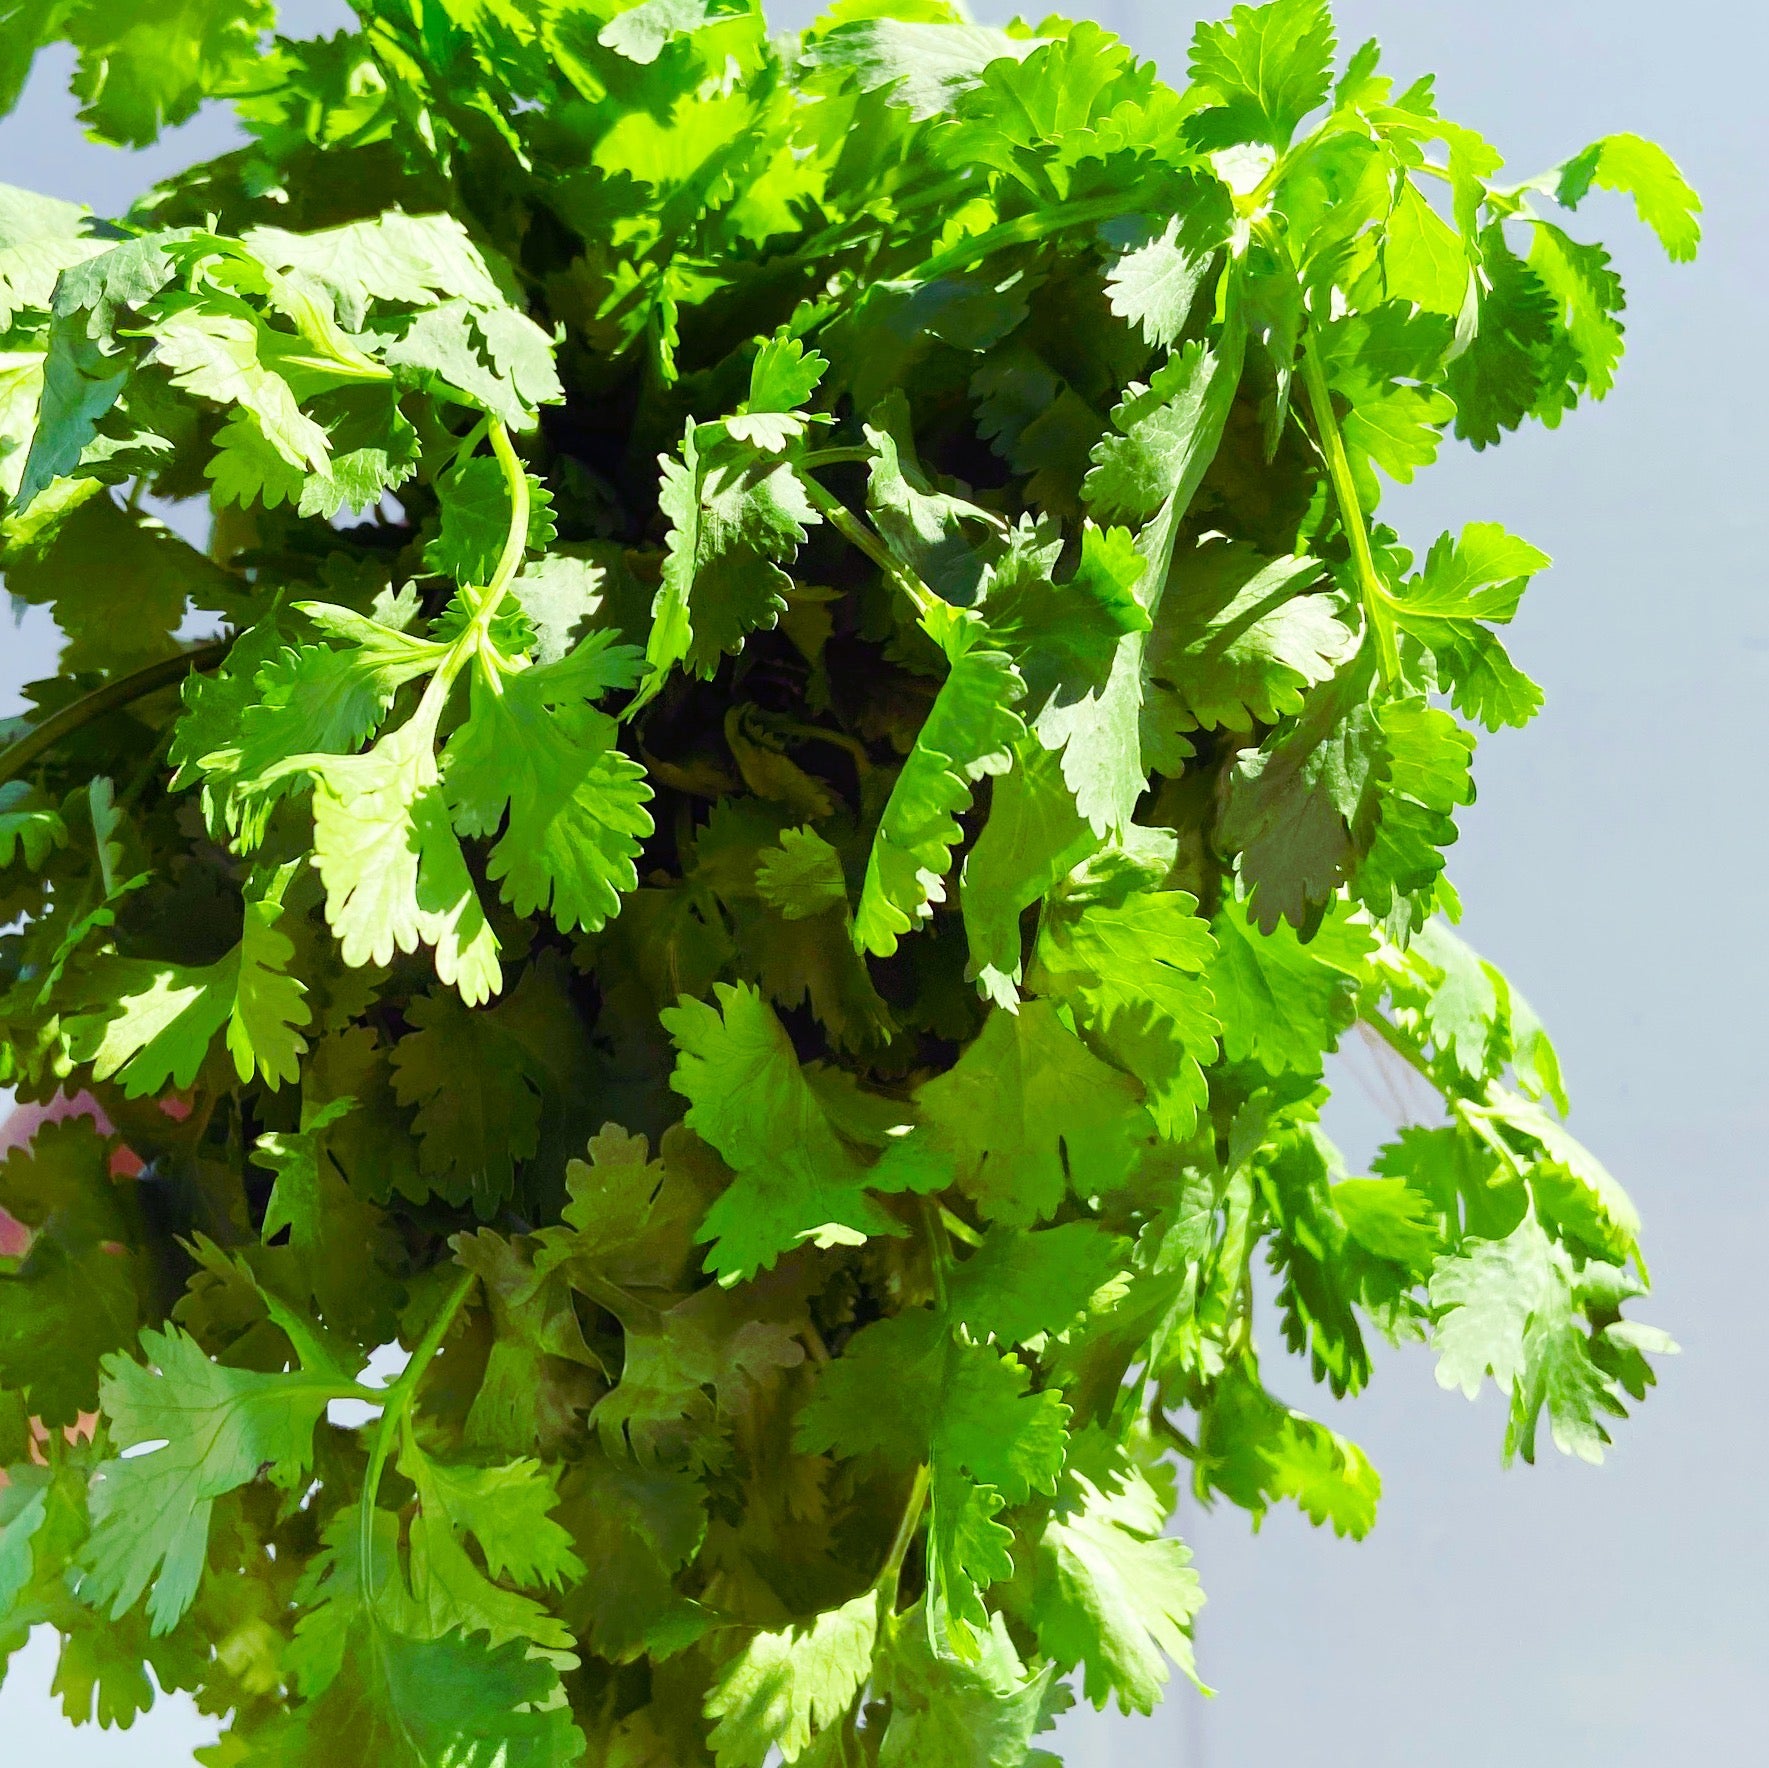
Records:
x=17, y=1132
x=26, y=1120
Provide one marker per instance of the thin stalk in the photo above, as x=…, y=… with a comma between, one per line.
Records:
x=137, y=685
x=1351, y=514
x=1475, y=1114
x=818, y=458
x=475, y=641
x=959, y=1228
x=634, y=1314
x=472, y=439
x=815, y=733
x=516, y=541
x=1402, y=1045
x=1020, y=231
x=939, y=1248
x=907, y=1527
x=859, y=536
x=396, y=1408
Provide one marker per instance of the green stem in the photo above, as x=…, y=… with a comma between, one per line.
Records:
x=939, y=1248
x=476, y=641
x=859, y=536
x=1020, y=231
x=396, y=1408
x=1351, y=514
x=959, y=1228
x=137, y=685
x=818, y=458
x=1398, y=1041
x=469, y=442
x=634, y=1314
x=815, y=733
x=516, y=541
x=907, y=1527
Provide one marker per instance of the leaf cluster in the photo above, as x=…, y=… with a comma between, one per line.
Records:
x=801, y=737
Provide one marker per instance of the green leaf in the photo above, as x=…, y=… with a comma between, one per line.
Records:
x=1165, y=434
x=910, y=1391
x=925, y=65
x=637, y=1527
x=970, y=731
x=1302, y=808
x=1662, y=195
x=737, y=517
x=1111, y=1592
x=1132, y=972
x=1467, y=585
x=273, y=706
x=1017, y=1286
x=1268, y=66
x=1034, y=837
x=1148, y=472
x=535, y=752
x=659, y=1412
x=163, y=1017
x=343, y=1243
x=1498, y=380
x=1505, y=1308
x=947, y=1714
x=1390, y=1219
x=1257, y=1451
x=1021, y=110
x=1155, y=285
x=1400, y=430
x=146, y=68
x=1481, y=576
x=1423, y=260
x=507, y=1513
x=475, y=506
x=1428, y=759
x=73, y=1295
x=404, y=261
x=1580, y=1191
x=40, y=237
x=803, y=876
x=217, y=356
x=933, y=532
x=1281, y=1002
x=407, y=1703
x=29, y=828
x=394, y=874
x=783, y=1688
x=907, y=1389
x=199, y=1431
x=118, y=581
x=478, y=1108
x=22, y=1512
x=1063, y=637
x=1588, y=300
x=1238, y=641
x=795, y=1178
x=558, y=594
x=981, y=595
x=1027, y=1114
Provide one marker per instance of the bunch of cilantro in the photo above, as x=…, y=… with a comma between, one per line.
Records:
x=794, y=738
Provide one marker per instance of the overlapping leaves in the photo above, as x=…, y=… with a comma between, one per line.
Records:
x=819, y=599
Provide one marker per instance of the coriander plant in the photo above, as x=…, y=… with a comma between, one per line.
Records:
x=796, y=733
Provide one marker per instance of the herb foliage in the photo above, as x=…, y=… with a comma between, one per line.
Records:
x=812, y=737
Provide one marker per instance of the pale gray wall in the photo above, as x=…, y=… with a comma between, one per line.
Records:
x=1615, y=865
